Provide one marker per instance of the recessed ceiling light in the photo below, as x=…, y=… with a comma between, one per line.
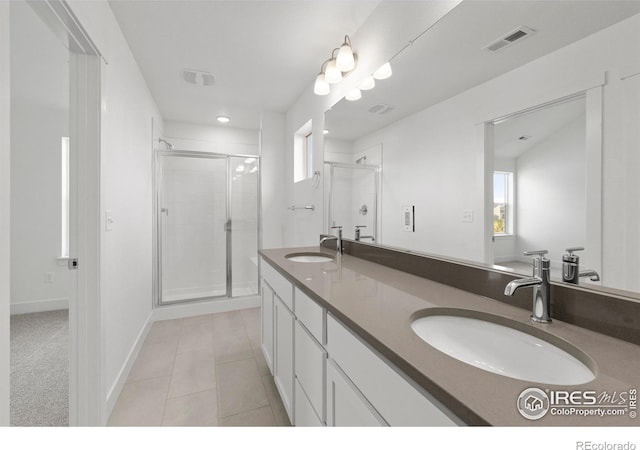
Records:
x=325, y=131
x=223, y=119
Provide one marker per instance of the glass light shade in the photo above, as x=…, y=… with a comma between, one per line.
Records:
x=367, y=83
x=353, y=94
x=383, y=72
x=345, y=62
x=321, y=87
x=332, y=74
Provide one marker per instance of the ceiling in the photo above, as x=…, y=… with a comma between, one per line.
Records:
x=263, y=54
x=450, y=59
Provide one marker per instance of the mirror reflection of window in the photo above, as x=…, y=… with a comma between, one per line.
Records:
x=503, y=203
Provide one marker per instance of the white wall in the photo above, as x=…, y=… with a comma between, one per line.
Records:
x=435, y=158
x=550, y=201
x=126, y=189
x=40, y=118
x=5, y=203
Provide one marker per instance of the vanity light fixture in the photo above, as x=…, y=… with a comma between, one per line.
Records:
x=223, y=119
x=367, y=83
x=353, y=95
x=343, y=60
x=383, y=72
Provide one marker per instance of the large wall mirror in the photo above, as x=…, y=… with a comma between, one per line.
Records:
x=525, y=148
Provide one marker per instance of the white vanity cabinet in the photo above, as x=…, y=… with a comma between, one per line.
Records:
x=266, y=307
x=283, y=332
x=326, y=375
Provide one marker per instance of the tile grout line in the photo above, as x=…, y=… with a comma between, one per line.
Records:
x=173, y=366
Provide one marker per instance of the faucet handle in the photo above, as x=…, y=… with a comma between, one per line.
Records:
x=573, y=249
x=536, y=253
x=339, y=227
x=361, y=226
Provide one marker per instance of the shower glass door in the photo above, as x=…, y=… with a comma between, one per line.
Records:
x=193, y=227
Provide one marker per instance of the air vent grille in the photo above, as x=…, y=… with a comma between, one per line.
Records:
x=198, y=77
x=381, y=109
x=514, y=36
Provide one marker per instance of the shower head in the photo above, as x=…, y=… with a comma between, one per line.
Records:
x=169, y=145
x=362, y=160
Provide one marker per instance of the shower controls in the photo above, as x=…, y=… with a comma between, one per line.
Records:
x=408, y=223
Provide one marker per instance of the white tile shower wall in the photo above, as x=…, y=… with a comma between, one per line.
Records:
x=445, y=176
x=126, y=189
x=40, y=118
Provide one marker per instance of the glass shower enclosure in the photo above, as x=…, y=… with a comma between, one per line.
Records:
x=206, y=211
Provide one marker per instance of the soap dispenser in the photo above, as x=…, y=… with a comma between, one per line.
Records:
x=571, y=265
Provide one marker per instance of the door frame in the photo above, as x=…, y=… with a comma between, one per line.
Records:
x=86, y=384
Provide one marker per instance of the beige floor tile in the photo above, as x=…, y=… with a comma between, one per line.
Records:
x=263, y=369
x=203, y=321
x=227, y=322
x=153, y=361
x=194, y=380
x=240, y=387
x=193, y=359
x=233, y=346
x=200, y=409
x=195, y=339
x=164, y=332
x=261, y=417
x=279, y=412
x=141, y=403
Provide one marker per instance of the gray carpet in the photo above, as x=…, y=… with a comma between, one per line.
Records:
x=40, y=369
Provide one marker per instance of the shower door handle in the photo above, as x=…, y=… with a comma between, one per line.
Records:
x=165, y=211
x=227, y=225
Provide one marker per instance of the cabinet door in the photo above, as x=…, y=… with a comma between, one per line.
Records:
x=346, y=406
x=310, y=358
x=267, y=324
x=305, y=414
x=283, y=353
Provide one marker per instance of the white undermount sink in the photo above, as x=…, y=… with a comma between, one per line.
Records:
x=309, y=257
x=501, y=349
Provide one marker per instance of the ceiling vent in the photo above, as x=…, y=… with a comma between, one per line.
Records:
x=381, y=109
x=198, y=77
x=511, y=38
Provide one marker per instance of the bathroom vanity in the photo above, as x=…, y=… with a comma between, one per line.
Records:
x=337, y=336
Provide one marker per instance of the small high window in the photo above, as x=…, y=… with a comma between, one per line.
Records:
x=303, y=154
x=503, y=208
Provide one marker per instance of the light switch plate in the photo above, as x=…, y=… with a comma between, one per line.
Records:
x=408, y=221
x=108, y=220
x=467, y=215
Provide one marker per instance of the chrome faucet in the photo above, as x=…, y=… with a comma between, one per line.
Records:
x=337, y=238
x=358, y=236
x=571, y=267
x=541, y=309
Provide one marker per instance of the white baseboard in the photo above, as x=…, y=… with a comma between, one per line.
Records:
x=181, y=310
x=115, y=390
x=52, y=304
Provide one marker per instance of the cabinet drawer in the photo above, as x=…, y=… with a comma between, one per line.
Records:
x=310, y=359
x=305, y=415
x=311, y=315
x=279, y=284
x=397, y=401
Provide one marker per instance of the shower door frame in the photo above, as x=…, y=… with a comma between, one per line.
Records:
x=157, y=213
x=376, y=171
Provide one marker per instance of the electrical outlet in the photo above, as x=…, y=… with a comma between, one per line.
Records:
x=49, y=277
x=467, y=216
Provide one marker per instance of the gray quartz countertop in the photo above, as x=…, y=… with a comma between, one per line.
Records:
x=379, y=303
